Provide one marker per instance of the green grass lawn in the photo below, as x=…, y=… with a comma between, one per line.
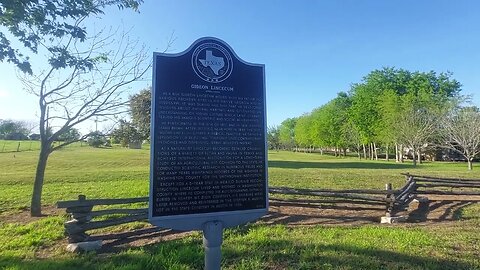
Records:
x=117, y=172
x=7, y=146
x=11, y=146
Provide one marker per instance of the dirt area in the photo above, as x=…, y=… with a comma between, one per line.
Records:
x=439, y=210
x=23, y=216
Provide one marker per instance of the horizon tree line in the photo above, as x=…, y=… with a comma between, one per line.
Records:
x=390, y=111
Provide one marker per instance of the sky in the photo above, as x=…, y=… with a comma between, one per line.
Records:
x=311, y=49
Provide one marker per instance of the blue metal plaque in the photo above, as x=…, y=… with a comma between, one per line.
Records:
x=208, y=138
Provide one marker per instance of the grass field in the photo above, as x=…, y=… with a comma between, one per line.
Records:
x=12, y=146
x=7, y=146
x=115, y=173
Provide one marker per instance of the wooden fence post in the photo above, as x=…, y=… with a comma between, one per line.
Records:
x=390, y=200
x=80, y=216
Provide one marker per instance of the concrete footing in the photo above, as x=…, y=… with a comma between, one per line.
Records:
x=421, y=200
x=391, y=220
x=84, y=246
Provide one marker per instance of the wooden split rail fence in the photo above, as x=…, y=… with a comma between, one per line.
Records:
x=428, y=185
x=85, y=218
x=392, y=200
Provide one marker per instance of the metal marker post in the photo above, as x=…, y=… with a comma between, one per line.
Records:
x=212, y=242
x=207, y=75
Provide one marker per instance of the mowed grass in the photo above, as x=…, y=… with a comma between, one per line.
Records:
x=94, y=172
x=16, y=146
x=324, y=171
x=117, y=172
x=10, y=146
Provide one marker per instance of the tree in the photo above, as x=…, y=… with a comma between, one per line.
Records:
x=81, y=94
x=286, y=132
x=71, y=134
x=376, y=111
x=417, y=127
x=96, y=139
x=273, y=138
x=329, y=123
x=391, y=112
x=364, y=113
x=34, y=22
x=461, y=133
x=87, y=74
x=10, y=129
x=428, y=98
x=127, y=135
x=303, y=134
x=140, y=109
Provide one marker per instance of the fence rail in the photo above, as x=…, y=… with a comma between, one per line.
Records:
x=84, y=218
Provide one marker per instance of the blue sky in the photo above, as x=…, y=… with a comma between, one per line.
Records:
x=311, y=49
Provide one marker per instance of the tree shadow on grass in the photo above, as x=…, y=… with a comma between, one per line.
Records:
x=324, y=219
x=116, y=242
x=164, y=255
x=440, y=210
x=332, y=256
x=336, y=165
x=250, y=253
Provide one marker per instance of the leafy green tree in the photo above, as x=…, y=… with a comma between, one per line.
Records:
x=319, y=128
x=329, y=123
x=352, y=137
x=339, y=118
x=71, y=134
x=127, y=134
x=286, y=133
x=34, y=22
x=140, y=110
x=428, y=99
x=11, y=128
x=303, y=134
x=273, y=137
x=85, y=77
x=96, y=139
x=391, y=113
x=364, y=112
x=376, y=111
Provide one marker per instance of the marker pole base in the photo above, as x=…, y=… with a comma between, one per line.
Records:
x=212, y=242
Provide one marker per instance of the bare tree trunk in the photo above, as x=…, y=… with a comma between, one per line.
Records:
x=375, y=150
x=371, y=151
x=470, y=165
x=344, y=152
x=36, y=203
x=358, y=152
x=397, y=156
x=419, y=156
x=414, y=159
x=401, y=153
x=387, y=158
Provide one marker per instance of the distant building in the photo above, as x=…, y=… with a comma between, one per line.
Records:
x=34, y=137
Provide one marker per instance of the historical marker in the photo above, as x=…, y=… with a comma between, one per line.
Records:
x=208, y=139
